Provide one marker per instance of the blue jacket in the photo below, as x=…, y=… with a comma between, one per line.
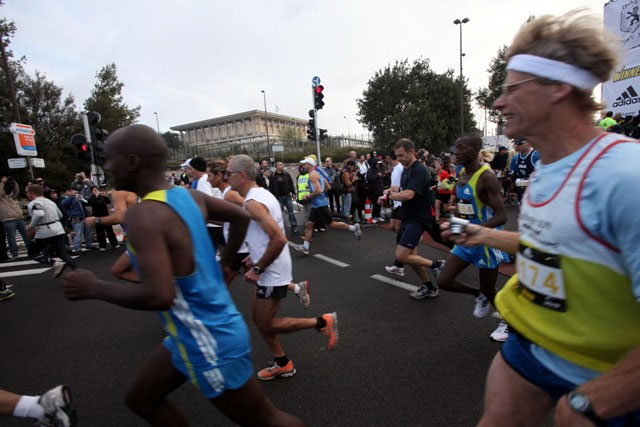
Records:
x=75, y=206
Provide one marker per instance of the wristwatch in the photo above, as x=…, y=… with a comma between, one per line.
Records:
x=580, y=403
x=388, y=196
x=257, y=269
x=97, y=220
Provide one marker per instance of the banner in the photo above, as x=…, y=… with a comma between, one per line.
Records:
x=622, y=19
x=621, y=94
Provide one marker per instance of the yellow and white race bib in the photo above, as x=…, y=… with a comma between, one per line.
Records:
x=540, y=278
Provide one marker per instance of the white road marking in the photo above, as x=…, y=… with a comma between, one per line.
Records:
x=24, y=272
x=394, y=282
x=17, y=263
x=331, y=260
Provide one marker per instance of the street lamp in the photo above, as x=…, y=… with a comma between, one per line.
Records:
x=266, y=123
x=157, y=122
x=459, y=22
x=348, y=128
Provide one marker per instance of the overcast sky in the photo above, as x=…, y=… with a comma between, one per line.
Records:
x=191, y=60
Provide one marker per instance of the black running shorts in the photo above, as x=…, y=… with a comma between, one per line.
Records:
x=321, y=216
x=275, y=292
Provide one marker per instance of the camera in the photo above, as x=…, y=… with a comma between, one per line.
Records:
x=457, y=225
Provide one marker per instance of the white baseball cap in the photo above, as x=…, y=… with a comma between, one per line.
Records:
x=186, y=164
x=308, y=160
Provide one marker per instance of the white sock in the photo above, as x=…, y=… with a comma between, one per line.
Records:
x=28, y=407
x=352, y=228
x=296, y=288
x=306, y=245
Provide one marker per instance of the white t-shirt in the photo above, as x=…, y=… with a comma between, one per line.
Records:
x=279, y=272
x=363, y=167
x=396, y=175
x=45, y=216
x=225, y=228
x=206, y=188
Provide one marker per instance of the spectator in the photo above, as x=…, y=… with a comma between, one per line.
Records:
x=98, y=202
x=11, y=215
x=330, y=171
x=75, y=206
x=607, y=121
x=281, y=186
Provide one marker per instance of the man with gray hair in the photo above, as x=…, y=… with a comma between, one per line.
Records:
x=270, y=269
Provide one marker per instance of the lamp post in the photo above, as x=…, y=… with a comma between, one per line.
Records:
x=266, y=123
x=460, y=22
x=348, y=128
x=157, y=122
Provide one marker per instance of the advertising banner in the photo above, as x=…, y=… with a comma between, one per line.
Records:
x=622, y=19
x=621, y=94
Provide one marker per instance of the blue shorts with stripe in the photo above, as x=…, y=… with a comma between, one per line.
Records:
x=212, y=381
x=481, y=256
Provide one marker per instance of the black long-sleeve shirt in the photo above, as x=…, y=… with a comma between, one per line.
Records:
x=281, y=184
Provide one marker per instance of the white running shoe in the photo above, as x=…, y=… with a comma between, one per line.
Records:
x=395, y=270
x=57, y=408
x=58, y=268
x=303, y=295
x=301, y=249
x=501, y=333
x=482, y=306
x=357, y=232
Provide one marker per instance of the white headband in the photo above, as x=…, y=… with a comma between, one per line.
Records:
x=553, y=70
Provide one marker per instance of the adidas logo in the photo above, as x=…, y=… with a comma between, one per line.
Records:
x=528, y=253
x=467, y=191
x=628, y=97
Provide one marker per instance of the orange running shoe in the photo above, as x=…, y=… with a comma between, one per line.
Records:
x=275, y=371
x=331, y=329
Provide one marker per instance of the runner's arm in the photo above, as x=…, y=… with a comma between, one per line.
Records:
x=156, y=292
x=117, y=217
x=315, y=182
x=492, y=187
x=473, y=235
x=277, y=239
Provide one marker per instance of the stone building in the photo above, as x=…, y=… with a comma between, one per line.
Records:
x=240, y=129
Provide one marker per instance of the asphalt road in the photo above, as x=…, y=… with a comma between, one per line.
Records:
x=399, y=361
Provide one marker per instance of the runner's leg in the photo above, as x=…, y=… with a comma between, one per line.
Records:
x=451, y=270
x=155, y=381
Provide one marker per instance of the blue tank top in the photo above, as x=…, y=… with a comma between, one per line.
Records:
x=203, y=322
x=321, y=199
x=469, y=206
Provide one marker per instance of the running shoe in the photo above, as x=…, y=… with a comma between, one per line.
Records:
x=276, y=371
x=58, y=268
x=303, y=294
x=395, y=270
x=437, y=267
x=102, y=249
x=496, y=315
x=331, y=329
x=501, y=333
x=301, y=249
x=424, y=292
x=482, y=306
x=323, y=229
x=357, y=232
x=6, y=294
x=57, y=408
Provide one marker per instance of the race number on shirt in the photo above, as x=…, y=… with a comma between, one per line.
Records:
x=540, y=278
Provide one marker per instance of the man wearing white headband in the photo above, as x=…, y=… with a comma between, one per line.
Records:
x=573, y=307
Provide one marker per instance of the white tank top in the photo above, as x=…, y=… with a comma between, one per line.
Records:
x=225, y=228
x=279, y=272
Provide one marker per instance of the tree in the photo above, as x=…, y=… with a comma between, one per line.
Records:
x=412, y=101
x=487, y=96
x=106, y=99
x=173, y=139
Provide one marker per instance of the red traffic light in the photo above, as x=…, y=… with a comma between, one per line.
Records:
x=84, y=148
x=319, y=89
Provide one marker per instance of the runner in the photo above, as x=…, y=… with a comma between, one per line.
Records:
x=271, y=269
x=320, y=215
x=208, y=342
x=478, y=201
x=573, y=305
x=416, y=216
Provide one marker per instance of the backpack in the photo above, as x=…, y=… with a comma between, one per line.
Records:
x=337, y=185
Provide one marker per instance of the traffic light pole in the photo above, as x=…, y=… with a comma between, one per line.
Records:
x=96, y=172
x=315, y=119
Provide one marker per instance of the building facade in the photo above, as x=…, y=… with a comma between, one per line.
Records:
x=240, y=128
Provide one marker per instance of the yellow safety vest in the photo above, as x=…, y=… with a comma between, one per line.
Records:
x=303, y=187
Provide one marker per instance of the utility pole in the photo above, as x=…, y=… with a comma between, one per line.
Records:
x=459, y=23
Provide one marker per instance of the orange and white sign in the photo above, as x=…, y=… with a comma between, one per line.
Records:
x=24, y=137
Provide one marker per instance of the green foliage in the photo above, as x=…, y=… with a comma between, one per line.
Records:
x=106, y=99
x=173, y=139
x=487, y=96
x=412, y=101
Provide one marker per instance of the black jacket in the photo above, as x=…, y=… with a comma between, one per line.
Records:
x=281, y=184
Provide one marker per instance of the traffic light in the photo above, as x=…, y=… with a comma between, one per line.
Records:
x=323, y=134
x=311, y=126
x=317, y=98
x=84, y=151
x=99, y=141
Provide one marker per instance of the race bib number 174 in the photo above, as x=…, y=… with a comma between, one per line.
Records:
x=540, y=278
